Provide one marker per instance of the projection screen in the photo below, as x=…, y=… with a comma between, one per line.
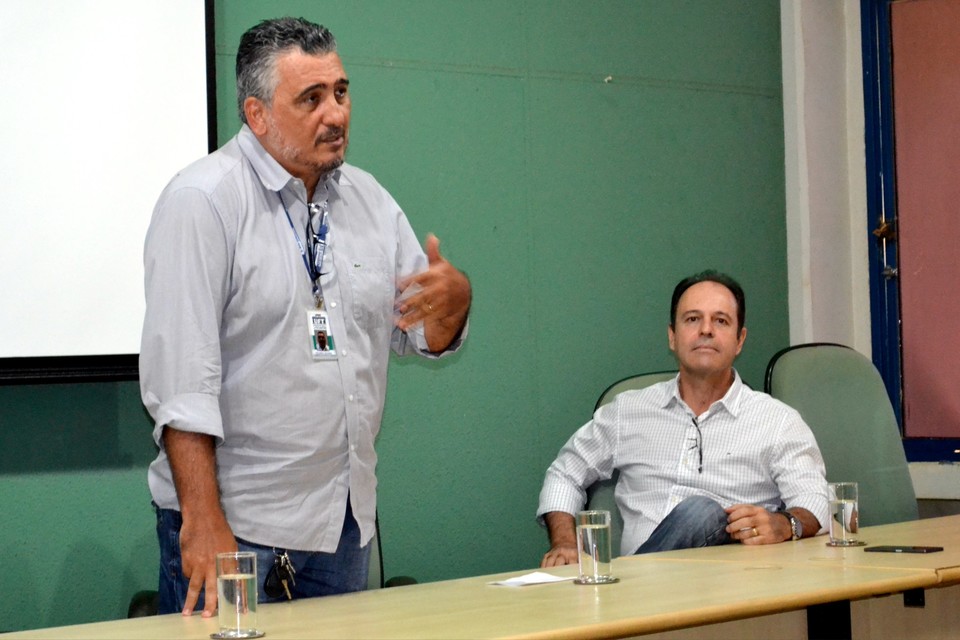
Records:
x=103, y=101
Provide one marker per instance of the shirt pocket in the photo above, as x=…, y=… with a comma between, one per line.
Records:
x=373, y=289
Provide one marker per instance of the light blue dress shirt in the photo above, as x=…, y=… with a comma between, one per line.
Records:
x=225, y=348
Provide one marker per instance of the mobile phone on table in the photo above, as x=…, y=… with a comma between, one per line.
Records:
x=897, y=548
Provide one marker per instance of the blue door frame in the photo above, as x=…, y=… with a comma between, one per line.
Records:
x=881, y=207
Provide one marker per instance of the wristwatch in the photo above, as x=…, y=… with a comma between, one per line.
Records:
x=796, y=527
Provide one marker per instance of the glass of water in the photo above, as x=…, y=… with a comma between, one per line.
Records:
x=593, y=547
x=844, y=515
x=237, y=595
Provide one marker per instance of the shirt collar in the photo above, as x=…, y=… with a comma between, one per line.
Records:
x=730, y=401
x=270, y=172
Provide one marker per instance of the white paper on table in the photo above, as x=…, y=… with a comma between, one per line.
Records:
x=537, y=577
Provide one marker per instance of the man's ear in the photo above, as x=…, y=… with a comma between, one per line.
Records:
x=256, y=113
x=671, y=339
x=743, y=336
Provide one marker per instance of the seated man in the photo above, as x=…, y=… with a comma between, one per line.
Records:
x=703, y=459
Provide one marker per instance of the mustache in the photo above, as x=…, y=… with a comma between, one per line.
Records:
x=330, y=135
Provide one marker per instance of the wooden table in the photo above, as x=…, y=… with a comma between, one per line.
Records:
x=940, y=532
x=656, y=593
x=894, y=619
x=652, y=595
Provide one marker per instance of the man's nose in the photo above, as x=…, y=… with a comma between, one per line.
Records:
x=334, y=113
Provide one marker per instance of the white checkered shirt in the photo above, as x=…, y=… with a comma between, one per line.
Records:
x=756, y=450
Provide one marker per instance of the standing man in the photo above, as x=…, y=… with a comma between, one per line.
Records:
x=278, y=280
x=703, y=459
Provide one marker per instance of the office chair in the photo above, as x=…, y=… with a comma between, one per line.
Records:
x=841, y=396
x=144, y=603
x=600, y=494
x=638, y=381
x=375, y=579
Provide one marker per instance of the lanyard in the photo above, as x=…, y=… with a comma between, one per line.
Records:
x=313, y=253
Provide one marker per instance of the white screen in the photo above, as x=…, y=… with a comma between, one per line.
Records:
x=103, y=101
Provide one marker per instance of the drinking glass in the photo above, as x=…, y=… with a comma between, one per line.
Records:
x=593, y=547
x=844, y=515
x=237, y=595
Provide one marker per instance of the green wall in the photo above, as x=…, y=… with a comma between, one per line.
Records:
x=576, y=160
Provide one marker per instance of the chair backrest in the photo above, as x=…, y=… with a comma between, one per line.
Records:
x=600, y=494
x=841, y=396
x=639, y=381
x=375, y=571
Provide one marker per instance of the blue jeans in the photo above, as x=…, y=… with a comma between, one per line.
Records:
x=317, y=573
x=698, y=521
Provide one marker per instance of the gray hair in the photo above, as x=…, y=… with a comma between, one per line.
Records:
x=260, y=47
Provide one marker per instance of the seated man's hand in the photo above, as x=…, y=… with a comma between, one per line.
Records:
x=559, y=556
x=751, y=524
x=563, y=540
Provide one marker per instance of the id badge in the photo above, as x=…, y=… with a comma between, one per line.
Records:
x=322, y=344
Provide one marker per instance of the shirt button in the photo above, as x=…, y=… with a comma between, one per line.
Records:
x=333, y=305
x=343, y=353
x=350, y=397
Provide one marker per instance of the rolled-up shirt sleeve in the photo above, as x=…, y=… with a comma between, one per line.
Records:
x=798, y=468
x=588, y=456
x=187, y=280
